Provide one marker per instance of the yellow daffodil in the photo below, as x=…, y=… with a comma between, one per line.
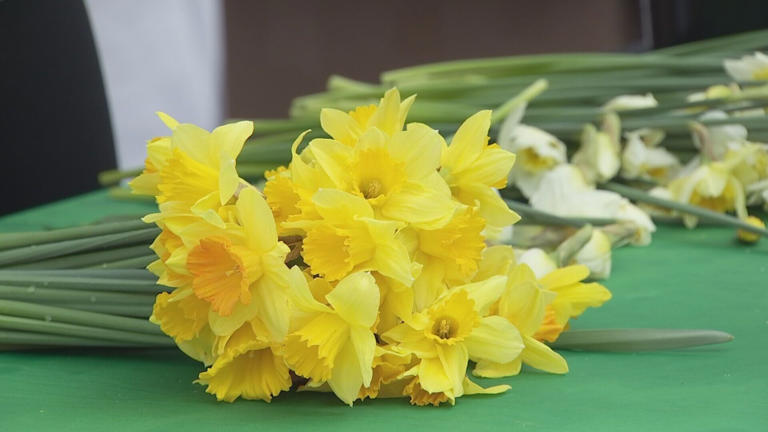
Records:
x=335, y=344
x=250, y=367
x=349, y=239
x=193, y=166
x=396, y=174
x=453, y=330
x=243, y=275
x=749, y=68
x=449, y=255
x=475, y=170
x=712, y=186
x=388, y=367
x=573, y=297
x=420, y=397
x=388, y=117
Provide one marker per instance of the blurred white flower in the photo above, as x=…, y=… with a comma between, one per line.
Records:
x=630, y=102
x=749, y=68
x=642, y=159
x=596, y=255
x=715, y=141
x=538, y=260
x=564, y=192
x=536, y=152
x=598, y=156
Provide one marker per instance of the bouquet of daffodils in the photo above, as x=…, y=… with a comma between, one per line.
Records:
x=361, y=268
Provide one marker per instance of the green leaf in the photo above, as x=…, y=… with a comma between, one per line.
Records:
x=636, y=340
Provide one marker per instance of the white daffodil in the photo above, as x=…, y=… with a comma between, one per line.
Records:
x=630, y=102
x=642, y=159
x=718, y=91
x=715, y=141
x=596, y=255
x=713, y=186
x=538, y=260
x=598, y=156
x=536, y=152
x=565, y=192
x=749, y=68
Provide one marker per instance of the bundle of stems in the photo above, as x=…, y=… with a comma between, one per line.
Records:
x=81, y=286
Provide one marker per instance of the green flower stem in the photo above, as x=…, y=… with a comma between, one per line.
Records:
x=26, y=324
x=61, y=295
x=12, y=340
x=81, y=281
x=125, y=193
x=28, y=254
x=88, y=259
x=700, y=212
x=140, y=262
x=738, y=43
x=113, y=177
x=14, y=240
x=137, y=311
x=637, y=340
x=530, y=214
x=525, y=96
x=45, y=318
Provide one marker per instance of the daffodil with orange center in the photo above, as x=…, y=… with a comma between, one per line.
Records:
x=454, y=330
x=334, y=343
x=523, y=303
x=242, y=274
x=573, y=297
x=475, y=171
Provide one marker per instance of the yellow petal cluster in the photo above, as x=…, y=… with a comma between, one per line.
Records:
x=362, y=267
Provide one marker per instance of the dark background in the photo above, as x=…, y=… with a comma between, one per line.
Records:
x=55, y=133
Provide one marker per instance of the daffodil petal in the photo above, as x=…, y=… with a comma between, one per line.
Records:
x=495, y=339
x=230, y=138
x=356, y=299
x=454, y=359
x=540, y=356
x=346, y=378
x=468, y=142
x=488, y=369
x=257, y=220
x=339, y=125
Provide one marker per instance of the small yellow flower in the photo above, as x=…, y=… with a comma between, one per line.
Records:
x=573, y=298
x=388, y=117
x=453, y=330
x=335, y=344
x=250, y=367
x=747, y=236
x=523, y=303
x=348, y=239
x=475, y=170
x=396, y=174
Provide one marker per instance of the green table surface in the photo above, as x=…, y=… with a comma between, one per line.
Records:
x=684, y=279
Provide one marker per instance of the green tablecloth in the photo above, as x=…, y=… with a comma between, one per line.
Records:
x=685, y=279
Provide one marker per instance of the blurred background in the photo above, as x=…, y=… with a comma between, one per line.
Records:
x=80, y=80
